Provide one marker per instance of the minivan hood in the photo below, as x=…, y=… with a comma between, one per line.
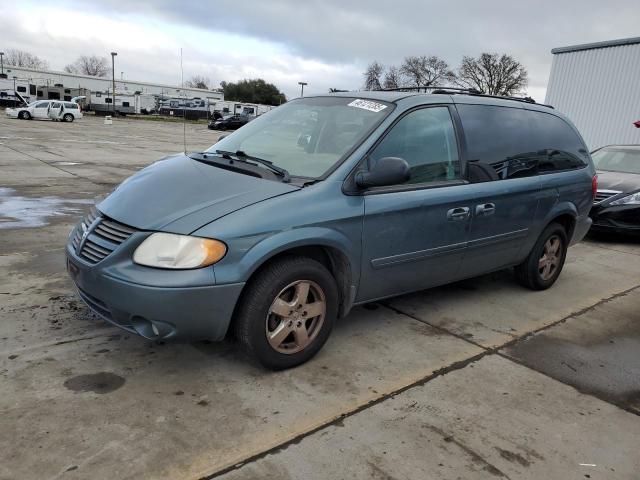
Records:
x=623, y=182
x=180, y=195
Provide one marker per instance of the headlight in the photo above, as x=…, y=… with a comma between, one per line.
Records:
x=168, y=250
x=633, y=199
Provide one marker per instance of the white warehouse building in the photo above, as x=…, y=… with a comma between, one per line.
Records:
x=597, y=85
x=41, y=79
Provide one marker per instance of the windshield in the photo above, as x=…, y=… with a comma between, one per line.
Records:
x=307, y=136
x=624, y=160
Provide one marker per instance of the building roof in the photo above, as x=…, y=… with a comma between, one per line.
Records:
x=9, y=68
x=593, y=46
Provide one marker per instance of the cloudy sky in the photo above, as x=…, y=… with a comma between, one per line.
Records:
x=325, y=43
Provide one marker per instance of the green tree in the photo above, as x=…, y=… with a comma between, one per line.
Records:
x=253, y=91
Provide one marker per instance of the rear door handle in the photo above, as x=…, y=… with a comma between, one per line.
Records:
x=485, y=209
x=458, y=213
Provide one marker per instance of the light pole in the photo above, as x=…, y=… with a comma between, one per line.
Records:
x=113, y=83
x=2, y=63
x=121, y=75
x=302, y=84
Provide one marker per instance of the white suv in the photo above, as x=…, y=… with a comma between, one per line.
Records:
x=40, y=110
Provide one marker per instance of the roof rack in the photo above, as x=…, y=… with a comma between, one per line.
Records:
x=463, y=91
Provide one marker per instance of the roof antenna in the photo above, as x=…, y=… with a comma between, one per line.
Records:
x=184, y=106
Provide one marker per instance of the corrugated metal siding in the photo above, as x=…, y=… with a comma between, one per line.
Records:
x=599, y=90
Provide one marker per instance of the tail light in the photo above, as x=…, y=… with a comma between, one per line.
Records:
x=594, y=186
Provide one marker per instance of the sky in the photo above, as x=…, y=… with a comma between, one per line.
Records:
x=327, y=44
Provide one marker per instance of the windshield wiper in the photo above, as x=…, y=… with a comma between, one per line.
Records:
x=243, y=157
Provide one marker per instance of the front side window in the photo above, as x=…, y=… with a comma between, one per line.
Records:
x=426, y=139
x=307, y=136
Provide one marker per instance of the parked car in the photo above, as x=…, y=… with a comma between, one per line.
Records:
x=279, y=229
x=41, y=110
x=617, y=203
x=230, y=122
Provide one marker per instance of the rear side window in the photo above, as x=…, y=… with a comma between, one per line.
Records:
x=426, y=139
x=71, y=105
x=499, y=136
x=563, y=149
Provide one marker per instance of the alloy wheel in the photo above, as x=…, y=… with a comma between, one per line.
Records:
x=296, y=316
x=550, y=259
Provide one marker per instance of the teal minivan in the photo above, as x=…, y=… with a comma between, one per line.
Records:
x=331, y=201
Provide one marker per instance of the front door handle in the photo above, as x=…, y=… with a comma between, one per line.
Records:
x=485, y=209
x=458, y=213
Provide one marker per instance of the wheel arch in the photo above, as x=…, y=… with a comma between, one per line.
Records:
x=566, y=214
x=326, y=246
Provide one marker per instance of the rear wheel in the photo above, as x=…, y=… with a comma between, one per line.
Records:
x=287, y=312
x=68, y=117
x=24, y=115
x=544, y=263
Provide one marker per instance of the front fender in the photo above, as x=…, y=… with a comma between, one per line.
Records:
x=240, y=269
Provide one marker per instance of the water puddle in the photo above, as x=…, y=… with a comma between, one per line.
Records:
x=17, y=211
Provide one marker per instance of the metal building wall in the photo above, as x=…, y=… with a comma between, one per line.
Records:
x=599, y=90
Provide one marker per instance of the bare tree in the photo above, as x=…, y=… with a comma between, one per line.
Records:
x=89, y=65
x=493, y=74
x=424, y=71
x=392, y=78
x=21, y=58
x=198, y=81
x=372, y=76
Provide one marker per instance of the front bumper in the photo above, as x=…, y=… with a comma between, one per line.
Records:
x=616, y=218
x=154, y=303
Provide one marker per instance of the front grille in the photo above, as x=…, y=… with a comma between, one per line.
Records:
x=602, y=195
x=103, y=236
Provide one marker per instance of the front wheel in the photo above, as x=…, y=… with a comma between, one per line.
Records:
x=24, y=115
x=68, y=118
x=287, y=312
x=544, y=263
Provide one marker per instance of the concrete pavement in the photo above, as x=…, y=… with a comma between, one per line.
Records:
x=463, y=381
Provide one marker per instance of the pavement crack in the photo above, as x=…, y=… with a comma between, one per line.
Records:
x=338, y=420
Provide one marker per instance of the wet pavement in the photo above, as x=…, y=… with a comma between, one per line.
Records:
x=480, y=379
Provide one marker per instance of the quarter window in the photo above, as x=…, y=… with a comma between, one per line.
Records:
x=426, y=139
x=562, y=147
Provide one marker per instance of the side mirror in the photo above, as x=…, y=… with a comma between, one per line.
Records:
x=387, y=171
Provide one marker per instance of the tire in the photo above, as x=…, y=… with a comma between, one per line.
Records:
x=223, y=127
x=542, y=266
x=67, y=117
x=24, y=115
x=277, y=288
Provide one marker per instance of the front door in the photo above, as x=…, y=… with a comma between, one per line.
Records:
x=415, y=234
x=41, y=110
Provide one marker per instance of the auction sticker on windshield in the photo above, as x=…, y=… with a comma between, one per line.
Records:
x=368, y=105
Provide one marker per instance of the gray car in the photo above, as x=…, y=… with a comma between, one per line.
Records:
x=327, y=202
